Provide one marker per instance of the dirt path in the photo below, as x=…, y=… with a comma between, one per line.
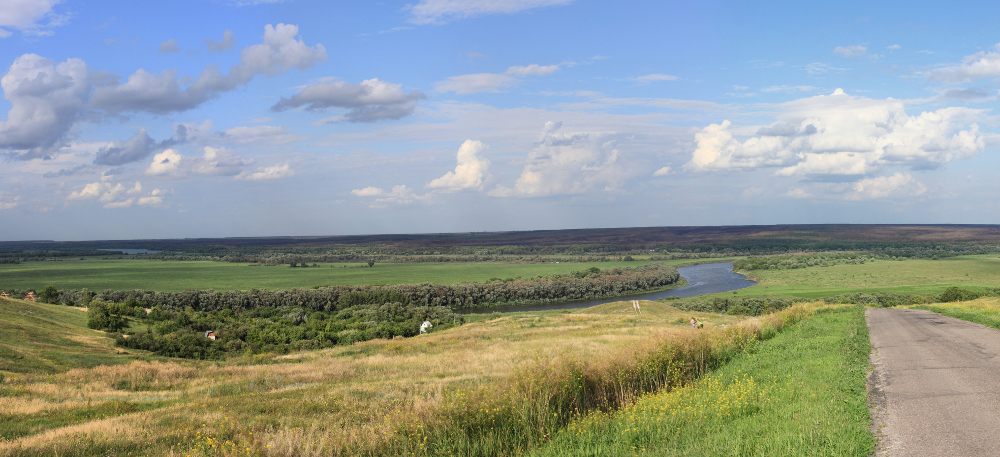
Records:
x=936, y=384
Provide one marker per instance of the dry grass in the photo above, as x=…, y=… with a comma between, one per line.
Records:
x=313, y=403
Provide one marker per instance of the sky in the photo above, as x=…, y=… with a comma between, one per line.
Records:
x=235, y=118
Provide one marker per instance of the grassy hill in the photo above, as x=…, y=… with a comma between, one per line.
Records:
x=42, y=338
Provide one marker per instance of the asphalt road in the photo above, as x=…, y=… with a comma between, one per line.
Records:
x=935, y=388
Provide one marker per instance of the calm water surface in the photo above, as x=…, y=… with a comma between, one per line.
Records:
x=707, y=278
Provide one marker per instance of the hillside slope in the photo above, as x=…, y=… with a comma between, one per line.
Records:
x=44, y=338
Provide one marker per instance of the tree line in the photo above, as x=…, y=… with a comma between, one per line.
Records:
x=586, y=284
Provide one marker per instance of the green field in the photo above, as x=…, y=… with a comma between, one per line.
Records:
x=919, y=276
x=174, y=276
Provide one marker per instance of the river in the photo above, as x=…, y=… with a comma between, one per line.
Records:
x=706, y=278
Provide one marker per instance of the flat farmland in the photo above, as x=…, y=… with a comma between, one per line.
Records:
x=174, y=276
x=909, y=276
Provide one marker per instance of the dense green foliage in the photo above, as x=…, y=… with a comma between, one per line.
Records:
x=498, y=292
x=265, y=329
x=802, y=261
x=736, y=305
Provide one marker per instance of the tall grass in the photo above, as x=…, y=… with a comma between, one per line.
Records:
x=536, y=401
x=801, y=394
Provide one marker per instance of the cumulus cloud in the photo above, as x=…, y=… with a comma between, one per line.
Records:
x=214, y=161
x=441, y=11
x=399, y=195
x=893, y=47
x=165, y=163
x=48, y=99
x=564, y=164
x=369, y=101
x=111, y=194
x=26, y=16
x=267, y=173
x=973, y=67
x=840, y=134
x=163, y=92
x=168, y=47
x=475, y=83
x=227, y=43
x=897, y=185
x=470, y=173
x=662, y=171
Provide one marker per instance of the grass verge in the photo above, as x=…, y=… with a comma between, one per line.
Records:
x=802, y=393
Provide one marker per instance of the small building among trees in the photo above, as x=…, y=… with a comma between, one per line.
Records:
x=210, y=335
x=30, y=297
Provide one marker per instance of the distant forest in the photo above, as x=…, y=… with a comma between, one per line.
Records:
x=584, y=245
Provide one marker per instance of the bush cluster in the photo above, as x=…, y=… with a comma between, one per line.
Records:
x=277, y=330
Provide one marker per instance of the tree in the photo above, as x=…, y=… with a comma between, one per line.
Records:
x=49, y=295
x=371, y=263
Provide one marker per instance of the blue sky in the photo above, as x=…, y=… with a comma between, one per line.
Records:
x=224, y=118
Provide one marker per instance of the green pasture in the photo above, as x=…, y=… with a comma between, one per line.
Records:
x=41, y=338
x=174, y=276
x=920, y=276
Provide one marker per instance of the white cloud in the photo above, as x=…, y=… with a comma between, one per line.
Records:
x=798, y=192
x=532, y=70
x=214, y=161
x=227, y=43
x=267, y=173
x=470, y=173
x=369, y=101
x=399, y=195
x=367, y=192
x=840, y=134
x=851, y=51
x=162, y=93
x=26, y=15
x=656, y=77
x=475, y=83
x=167, y=162
x=741, y=88
x=113, y=195
x=973, y=67
x=493, y=82
x=662, y=171
x=48, y=99
x=564, y=164
x=441, y=11
x=893, y=47
x=897, y=185
x=169, y=46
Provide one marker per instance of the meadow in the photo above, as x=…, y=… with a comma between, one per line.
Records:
x=372, y=398
x=174, y=276
x=915, y=276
